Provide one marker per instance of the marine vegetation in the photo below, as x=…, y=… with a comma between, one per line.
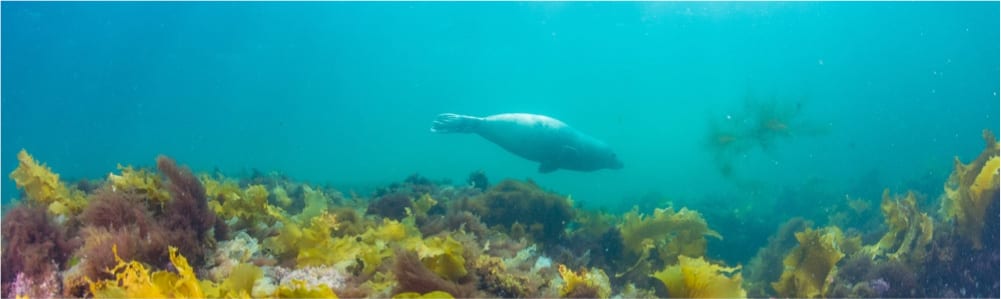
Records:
x=35, y=249
x=162, y=230
x=908, y=231
x=767, y=265
x=524, y=209
x=759, y=125
x=659, y=239
x=697, y=278
x=43, y=186
x=587, y=284
x=810, y=266
x=971, y=188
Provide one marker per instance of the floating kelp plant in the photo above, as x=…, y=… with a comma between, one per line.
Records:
x=165, y=231
x=759, y=125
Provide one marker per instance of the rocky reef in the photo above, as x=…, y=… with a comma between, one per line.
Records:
x=165, y=231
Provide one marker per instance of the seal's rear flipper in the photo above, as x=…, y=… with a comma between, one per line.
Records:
x=454, y=123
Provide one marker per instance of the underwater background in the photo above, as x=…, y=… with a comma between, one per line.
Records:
x=751, y=113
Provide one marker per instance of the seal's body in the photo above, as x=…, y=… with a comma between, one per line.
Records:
x=535, y=137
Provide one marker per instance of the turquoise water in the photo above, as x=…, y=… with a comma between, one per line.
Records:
x=344, y=93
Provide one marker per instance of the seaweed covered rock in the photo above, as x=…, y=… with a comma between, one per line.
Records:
x=393, y=206
x=413, y=276
x=192, y=225
x=962, y=258
x=810, y=267
x=34, y=247
x=116, y=218
x=861, y=277
x=518, y=205
x=971, y=188
x=118, y=209
x=413, y=185
x=766, y=266
x=697, y=278
x=497, y=280
x=478, y=179
x=131, y=214
x=954, y=269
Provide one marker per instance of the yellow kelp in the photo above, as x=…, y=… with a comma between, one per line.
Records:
x=443, y=255
x=811, y=266
x=246, y=208
x=671, y=233
x=970, y=190
x=424, y=204
x=141, y=181
x=133, y=280
x=587, y=284
x=908, y=230
x=697, y=278
x=43, y=186
x=315, y=245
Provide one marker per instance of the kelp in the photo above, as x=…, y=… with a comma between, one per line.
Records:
x=591, y=283
x=909, y=231
x=970, y=190
x=697, y=278
x=142, y=182
x=810, y=267
x=42, y=186
x=134, y=280
x=315, y=246
x=668, y=232
x=524, y=209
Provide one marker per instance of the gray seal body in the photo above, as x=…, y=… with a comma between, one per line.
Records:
x=539, y=138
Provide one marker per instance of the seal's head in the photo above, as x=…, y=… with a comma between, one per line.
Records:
x=607, y=159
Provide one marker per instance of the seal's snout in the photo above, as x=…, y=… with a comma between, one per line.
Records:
x=616, y=164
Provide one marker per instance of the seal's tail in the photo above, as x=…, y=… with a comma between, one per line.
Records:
x=454, y=123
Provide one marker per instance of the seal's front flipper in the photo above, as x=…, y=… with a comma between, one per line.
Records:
x=548, y=166
x=454, y=123
x=568, y=153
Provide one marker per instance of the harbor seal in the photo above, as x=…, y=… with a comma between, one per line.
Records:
x=539, y=138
